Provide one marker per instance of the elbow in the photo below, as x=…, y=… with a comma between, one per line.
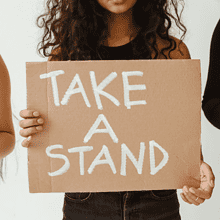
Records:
x=11, y=145
x=7, y=144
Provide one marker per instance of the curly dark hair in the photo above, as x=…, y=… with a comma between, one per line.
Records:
x=74, y=28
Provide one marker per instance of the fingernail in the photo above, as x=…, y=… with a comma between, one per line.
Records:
x=191, y=190
x=212, y=183
x=186, y=189
x=36, y=114
x=29, y=138
x=40, y=120
x=39, y=128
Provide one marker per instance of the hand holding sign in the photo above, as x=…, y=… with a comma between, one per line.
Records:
x=199, y=195
x=31, y=125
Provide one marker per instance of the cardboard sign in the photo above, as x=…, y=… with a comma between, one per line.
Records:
x=115, y=125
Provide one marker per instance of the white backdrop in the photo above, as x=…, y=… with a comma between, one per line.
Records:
x=18, y=40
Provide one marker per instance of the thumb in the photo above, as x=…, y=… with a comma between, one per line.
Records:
x=26, y=142
x=207, y=171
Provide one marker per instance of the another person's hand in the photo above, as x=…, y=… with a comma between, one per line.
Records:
x=31, y=124
x=198, y=196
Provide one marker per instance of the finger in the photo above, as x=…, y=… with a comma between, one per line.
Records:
x=29, y=113
x=26, y=142
x=198, y=194
x=184, y=198
x=29, y=131
x=31, y=122
x=193, y=201
x=191, y=197
x=201, y=193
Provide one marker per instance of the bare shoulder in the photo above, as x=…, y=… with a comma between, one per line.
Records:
x=54, y=52
x=4, y=75
x=181, y=51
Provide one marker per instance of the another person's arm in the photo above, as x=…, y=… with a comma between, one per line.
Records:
x=211, y=98
x=7, y=135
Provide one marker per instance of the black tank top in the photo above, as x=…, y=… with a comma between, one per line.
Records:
x=135, y=49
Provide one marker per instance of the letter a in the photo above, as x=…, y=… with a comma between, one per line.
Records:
x=94, y=129
x=108, y=160
x=154, y=169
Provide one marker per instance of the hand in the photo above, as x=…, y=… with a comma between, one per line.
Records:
x=31, y=124
x=198, y=196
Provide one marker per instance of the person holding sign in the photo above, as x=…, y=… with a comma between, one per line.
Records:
x=7, y=135
x=115, y=30
x=211, y=98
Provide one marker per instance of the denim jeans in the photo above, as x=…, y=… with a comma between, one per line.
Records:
x=134, y=205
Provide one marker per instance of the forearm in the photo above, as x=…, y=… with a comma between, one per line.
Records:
x=7, y=142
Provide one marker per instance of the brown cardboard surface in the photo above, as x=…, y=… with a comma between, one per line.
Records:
x=163, y=126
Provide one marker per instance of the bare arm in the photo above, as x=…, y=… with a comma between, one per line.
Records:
x=7, y=136
x=181, y=51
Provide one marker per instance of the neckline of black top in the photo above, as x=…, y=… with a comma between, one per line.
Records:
x=121, y=46
x=135, y=49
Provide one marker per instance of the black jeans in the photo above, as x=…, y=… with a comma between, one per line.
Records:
x=134, y=205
